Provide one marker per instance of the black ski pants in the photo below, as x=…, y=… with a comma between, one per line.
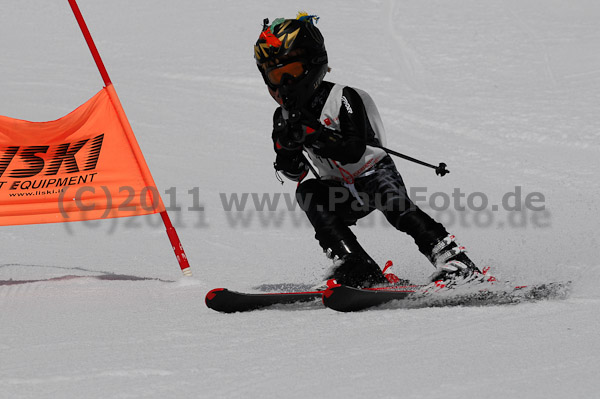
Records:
x=332, y=207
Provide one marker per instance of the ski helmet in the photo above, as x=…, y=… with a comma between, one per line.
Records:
x=291, y=57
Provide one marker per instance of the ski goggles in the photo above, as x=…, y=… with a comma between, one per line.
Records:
x=275, y=74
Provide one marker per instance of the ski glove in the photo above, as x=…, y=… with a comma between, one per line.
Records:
x=288, y=137
x=289, y=134
x=331, y=144
x=325, y=141
x=292, y=165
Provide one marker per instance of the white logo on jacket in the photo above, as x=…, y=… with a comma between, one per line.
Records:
x=347, y=104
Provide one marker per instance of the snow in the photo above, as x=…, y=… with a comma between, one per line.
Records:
x=505, y=92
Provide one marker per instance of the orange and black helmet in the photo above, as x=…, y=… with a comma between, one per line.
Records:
x=291, y=57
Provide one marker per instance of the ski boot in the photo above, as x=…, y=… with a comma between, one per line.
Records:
x=453, y=265
x=353, y=266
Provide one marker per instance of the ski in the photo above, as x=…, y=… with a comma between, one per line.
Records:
x=348, y=299
x=227, y=301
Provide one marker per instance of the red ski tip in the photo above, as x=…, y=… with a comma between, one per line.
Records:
x=213, y=293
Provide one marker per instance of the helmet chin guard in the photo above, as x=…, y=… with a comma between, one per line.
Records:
x=297, y=92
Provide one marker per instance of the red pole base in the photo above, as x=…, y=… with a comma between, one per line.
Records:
x=176, y=244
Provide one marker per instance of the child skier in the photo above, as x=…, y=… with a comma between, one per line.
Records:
x=340, y=129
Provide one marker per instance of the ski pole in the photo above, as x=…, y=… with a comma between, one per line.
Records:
x=440, y=170
x=313, y=170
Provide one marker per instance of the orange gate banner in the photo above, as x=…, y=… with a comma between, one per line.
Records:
x=85, y=165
